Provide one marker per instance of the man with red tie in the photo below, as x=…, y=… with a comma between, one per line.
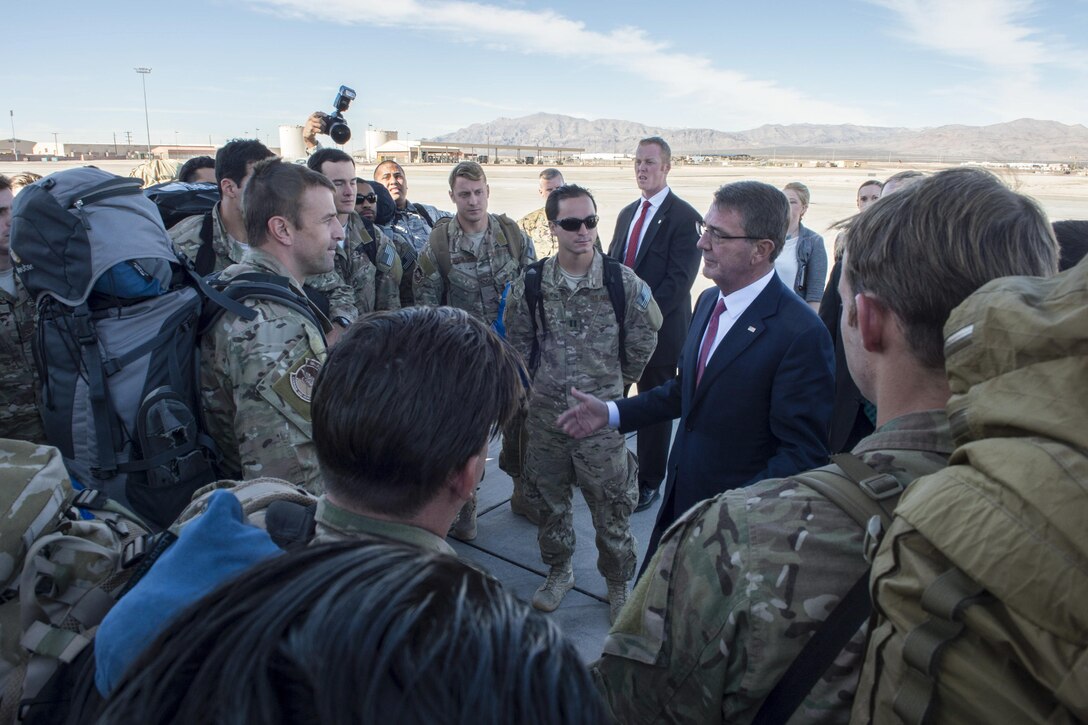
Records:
x=756, y=373
x=655, y=236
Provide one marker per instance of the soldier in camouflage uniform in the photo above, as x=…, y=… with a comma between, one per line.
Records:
x=414, y=221
x=378, y=484
x=367, y=205
x=257, y=376
x=369, y=265
x=19, y=416
x=535, y=223
x=579, y=345
x=741, y=581
x=224, y=228
x=468, y=262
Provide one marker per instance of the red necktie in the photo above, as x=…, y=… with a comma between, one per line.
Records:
x=632, y=243
x=708, y=340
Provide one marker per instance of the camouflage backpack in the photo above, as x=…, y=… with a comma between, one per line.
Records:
x=62, y=571
x=980, y=586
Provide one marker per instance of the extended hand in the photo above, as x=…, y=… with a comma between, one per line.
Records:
x=585, y=418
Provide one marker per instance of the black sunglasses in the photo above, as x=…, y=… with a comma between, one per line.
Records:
x=368, y=198
x=573, y=224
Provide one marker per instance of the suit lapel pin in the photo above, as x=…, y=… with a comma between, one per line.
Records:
x=751, y=329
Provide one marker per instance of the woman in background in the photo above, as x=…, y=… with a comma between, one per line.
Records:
x=802, y=264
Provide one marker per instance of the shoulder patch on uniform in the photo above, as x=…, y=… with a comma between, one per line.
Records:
x=644, y=295
x=388, y=254
x=296, y=386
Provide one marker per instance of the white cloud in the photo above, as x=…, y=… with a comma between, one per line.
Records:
x=994, y=33
x=670, y=74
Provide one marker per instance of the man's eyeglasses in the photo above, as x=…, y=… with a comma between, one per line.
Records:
x=702, y=228
x=368, y=198
x=573, y=224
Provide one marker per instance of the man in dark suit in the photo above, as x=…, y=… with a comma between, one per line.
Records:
x=655, y=236
x=756, y=382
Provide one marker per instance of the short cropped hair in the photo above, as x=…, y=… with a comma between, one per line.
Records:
x=387, y=162
x=359, y=632
x=5, y=183
x=666, y=152
x=233, y=158
x=922, y=250
x=276, y=189
x=566, y=191
x=319, y=157
x=550, y=174
x=903, y=179
x=405, y=399
x=23, y=179
x=193, y=165
x=764, y=209
x=468, y=170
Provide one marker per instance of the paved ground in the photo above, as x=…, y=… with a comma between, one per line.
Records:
x=506, y=546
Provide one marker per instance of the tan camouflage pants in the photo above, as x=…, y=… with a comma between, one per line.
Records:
x=607, y=474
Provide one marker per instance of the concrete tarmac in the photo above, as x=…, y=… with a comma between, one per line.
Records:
x=506, y=547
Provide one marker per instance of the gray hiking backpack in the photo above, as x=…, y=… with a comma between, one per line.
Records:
x=117, y=340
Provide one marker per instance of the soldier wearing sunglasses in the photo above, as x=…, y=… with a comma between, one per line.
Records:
x=580, y=339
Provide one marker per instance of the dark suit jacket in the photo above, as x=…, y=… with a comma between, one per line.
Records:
x=668, y=261
x=762, y=410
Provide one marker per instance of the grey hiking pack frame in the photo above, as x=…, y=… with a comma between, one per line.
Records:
x=120, y=374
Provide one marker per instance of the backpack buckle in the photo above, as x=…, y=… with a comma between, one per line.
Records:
x=881, y=487
x=90, y=498
x=134, y=551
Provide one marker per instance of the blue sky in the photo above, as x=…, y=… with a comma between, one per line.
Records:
x=226, y=69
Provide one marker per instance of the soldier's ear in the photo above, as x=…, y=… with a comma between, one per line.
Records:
x=279, y=230
x=872, y=317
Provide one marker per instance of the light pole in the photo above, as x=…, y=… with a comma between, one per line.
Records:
x=56, y=145
x=14, y=146
x=147, y=121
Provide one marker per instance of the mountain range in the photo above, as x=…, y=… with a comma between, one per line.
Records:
x=1022, y=140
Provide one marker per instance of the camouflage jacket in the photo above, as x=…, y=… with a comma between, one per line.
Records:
x=256, y=379
x=338, y=524
x=228, y=250
x=582, y=345
x=413, y=226
x=18, y=378
x=375, y=284
x=535, y=226
x=737, y=586
x=478, y=274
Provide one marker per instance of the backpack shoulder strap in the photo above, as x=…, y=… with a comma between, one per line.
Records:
x=440, y=245
x=229, y=295
x=513, y=234
x=866, y=496
x=534, y=300
x=422, y=211
x=613, y=282
x=205, y=256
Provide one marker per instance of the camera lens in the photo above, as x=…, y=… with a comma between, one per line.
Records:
x=339, y=132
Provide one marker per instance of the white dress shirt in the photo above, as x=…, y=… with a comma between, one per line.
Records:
x=735, y=305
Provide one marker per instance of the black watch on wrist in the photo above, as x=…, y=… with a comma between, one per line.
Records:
x=342, y=321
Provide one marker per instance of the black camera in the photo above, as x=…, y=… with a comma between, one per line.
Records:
x=335, y=125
